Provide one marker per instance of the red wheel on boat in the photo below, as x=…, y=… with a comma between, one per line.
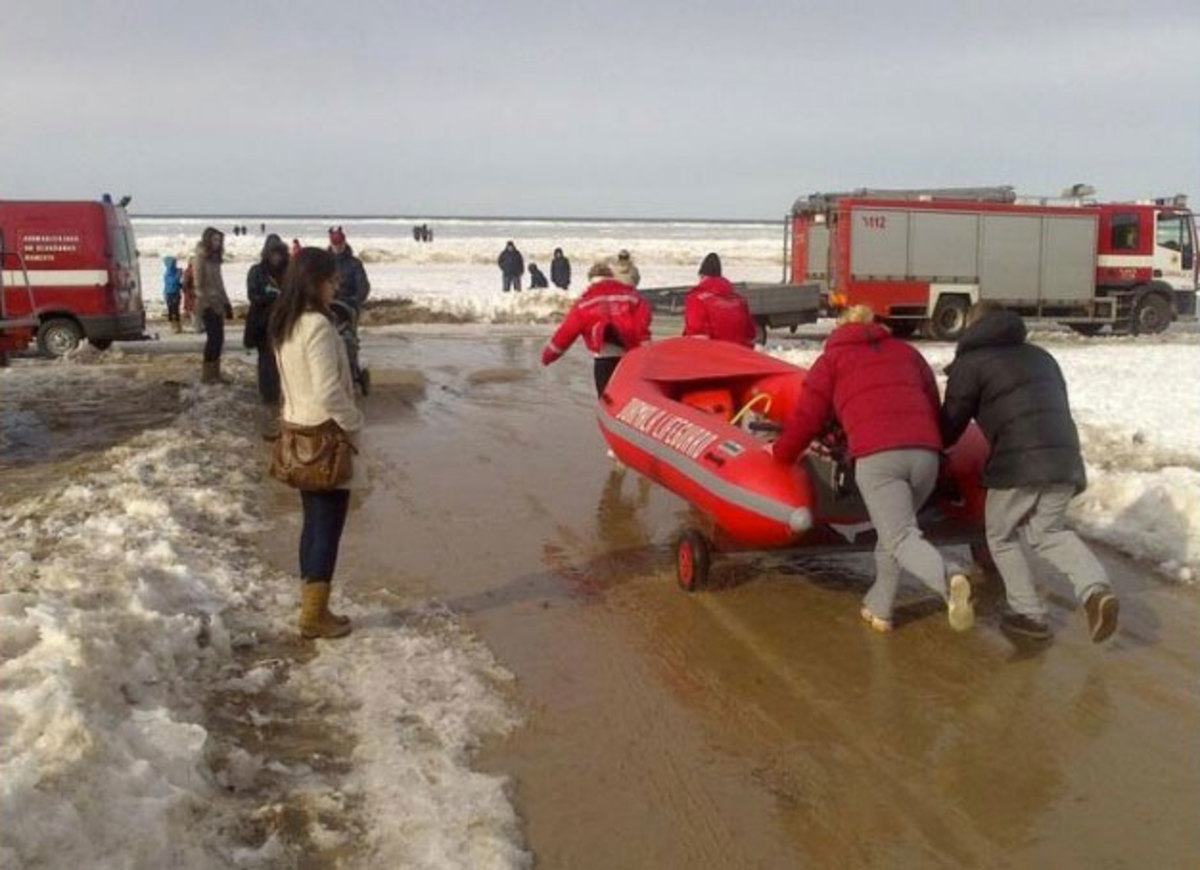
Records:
x=691, y=561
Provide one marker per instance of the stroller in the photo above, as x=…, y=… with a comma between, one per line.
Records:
x=345, y=318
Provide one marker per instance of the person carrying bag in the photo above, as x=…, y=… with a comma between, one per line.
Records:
x=318, y=425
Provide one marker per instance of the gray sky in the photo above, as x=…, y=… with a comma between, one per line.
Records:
x=691, y=109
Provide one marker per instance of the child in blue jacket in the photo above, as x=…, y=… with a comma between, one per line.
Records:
x=172, y=291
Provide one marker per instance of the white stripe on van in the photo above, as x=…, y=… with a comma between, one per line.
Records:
x=55, y=277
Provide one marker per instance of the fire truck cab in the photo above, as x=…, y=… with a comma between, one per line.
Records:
x=920, y=258
x=69, y=271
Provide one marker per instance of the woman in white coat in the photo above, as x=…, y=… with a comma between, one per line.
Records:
x=315, y=375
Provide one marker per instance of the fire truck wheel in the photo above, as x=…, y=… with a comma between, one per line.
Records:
x=949, y=318
x=1088, y=329
x=59, y=335
x=1152, y=314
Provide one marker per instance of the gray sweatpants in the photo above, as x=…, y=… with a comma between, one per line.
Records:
x=1037, y=519
x=894, y=484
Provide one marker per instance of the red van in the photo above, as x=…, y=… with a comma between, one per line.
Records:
x=70, y=269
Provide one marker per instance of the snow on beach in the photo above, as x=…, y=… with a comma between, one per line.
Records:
x=1138, y=410
x=144, y=697
x=457, y=273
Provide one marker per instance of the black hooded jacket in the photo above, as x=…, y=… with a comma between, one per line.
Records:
x=1017, y=393
x=262, y=286
x=560, y=271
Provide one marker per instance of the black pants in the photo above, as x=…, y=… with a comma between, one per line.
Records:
x=268, y=374
x=603, y=370
x=214, y=335
x=324, y=519
x=173, y=309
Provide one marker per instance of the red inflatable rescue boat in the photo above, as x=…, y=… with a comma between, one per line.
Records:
x=696, y=415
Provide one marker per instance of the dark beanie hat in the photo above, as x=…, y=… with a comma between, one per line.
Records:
x=711, y=266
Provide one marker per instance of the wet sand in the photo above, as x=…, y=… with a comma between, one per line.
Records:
x=758, y=724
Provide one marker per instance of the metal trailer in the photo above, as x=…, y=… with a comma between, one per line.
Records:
x=771, y=305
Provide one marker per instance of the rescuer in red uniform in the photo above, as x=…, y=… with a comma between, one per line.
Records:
x=714, y=309
x=611, y=316
x=885, y=396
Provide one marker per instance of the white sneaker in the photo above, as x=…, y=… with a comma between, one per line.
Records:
x=958, y=603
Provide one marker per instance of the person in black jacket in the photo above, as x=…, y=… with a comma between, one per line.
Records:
x=1017, y=394
x=560, y=270
x=512, y=267
x=263, y=283
x=353, y=286
x=537, y=278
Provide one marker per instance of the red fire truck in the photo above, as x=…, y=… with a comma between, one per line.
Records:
x=919, y=258
x=68, y=271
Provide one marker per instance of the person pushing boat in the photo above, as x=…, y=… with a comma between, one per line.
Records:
x=885, y=396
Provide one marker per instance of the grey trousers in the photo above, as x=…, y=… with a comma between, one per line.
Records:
x=1037, y=519
x=894, y=484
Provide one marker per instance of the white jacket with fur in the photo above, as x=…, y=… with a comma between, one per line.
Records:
x=314, y=372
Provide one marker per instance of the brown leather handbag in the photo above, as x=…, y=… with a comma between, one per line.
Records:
x=312, y=458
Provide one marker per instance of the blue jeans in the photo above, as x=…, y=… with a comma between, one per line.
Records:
x=324, y=519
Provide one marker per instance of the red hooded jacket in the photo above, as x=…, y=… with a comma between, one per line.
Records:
x=608, y=308
x=715, y=309
x=880, y=389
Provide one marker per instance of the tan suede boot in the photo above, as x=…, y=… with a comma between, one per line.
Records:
x=315, y=618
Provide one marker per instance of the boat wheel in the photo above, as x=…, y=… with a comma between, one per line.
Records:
x=692, y=559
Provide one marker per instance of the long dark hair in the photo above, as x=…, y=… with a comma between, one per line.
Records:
x=301, y=292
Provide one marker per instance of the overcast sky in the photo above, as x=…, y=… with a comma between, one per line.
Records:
x=655, y=109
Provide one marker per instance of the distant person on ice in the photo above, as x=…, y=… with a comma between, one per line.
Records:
x=537, y=278
x=296, y=247
x=512, y=267
x=316, y=389
x=560, y=270
x=885, y=396
x=611, y=316
x=1017, y=393
x=172, y=291
x=353, y=286
x=212, y=303
x=714, y=309
x=624, y=269
x=264, y=281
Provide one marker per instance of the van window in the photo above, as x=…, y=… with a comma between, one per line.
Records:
x=1125, y=236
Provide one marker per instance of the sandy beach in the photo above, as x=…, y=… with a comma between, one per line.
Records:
x=529, y=685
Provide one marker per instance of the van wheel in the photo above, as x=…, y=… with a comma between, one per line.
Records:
x=949, y=318
x=100, y=343
x=1151, y=315
x=59, y=335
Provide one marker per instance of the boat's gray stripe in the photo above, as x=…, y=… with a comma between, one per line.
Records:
x=751, y=501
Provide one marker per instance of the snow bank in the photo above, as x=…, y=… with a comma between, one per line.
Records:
x=131, y=607
x=1138, y=410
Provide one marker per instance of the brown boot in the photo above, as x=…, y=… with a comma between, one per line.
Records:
x=176, y=327
x=211, y=374
x=315, y=618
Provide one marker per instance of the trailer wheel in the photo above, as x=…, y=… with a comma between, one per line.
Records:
x=949, y=318
x=1151, y=315
x=692, y=561
x=902, y=328
x=760, y=332
x=1088, y=329
x=58, y=335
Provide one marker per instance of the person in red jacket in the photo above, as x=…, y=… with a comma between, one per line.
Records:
x=612, y=318
x=714, y=309
x=885, y=396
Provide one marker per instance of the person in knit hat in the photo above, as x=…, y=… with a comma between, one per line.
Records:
x=353, y=286
x=714, y=309
x=611, y=317
x=624, y=269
